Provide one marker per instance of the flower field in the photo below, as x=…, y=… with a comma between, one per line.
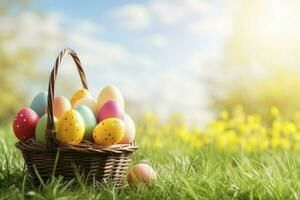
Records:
x=235, y=156
x=231, y=132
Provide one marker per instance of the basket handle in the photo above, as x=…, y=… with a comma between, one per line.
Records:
x=50, y=131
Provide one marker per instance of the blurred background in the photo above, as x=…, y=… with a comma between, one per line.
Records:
x=195, y=57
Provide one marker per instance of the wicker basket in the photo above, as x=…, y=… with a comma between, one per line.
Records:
x=94, y=162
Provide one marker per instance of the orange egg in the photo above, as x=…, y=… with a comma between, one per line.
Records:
x=129, y=130
x=141, y=173
x=60, y=105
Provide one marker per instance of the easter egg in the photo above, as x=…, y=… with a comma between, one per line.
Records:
x=79, y=94
x=24, y=124
x=110, y=92
x=89, y=102
x=60, y=105
x=111, y=109
x=39, y=103
x=109, y=131
x=129, y=130
x=70, y=127
x=141, y=173
x=89, y=119
x=40, y=134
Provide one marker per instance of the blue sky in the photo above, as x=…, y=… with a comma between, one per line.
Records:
x=156, y=52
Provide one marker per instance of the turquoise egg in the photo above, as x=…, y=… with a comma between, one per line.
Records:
x=89, y=119
x=40, y=129
x=39, y=103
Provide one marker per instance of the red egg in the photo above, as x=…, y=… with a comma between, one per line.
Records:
x=141, y=173
x=24, y=123
x=111, y=109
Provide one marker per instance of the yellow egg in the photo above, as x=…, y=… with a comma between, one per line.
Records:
x=70, y=128
x=110, y=131
x=79, y=94
x=110, y=92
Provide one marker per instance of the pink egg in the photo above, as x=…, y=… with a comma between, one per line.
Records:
x=129, y=130
x=24, y=123
x=141, y=173
x=60, y=105
x=111, y=109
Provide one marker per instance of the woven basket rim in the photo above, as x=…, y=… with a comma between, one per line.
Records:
x=83, y=147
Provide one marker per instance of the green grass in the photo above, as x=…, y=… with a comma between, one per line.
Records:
x=182, y=174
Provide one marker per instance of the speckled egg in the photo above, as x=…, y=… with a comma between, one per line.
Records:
x=40, y=134
x=89, y=119
x=111, y=109
x=70, y=127
x=110, y=92
x=24, y=123
x=129, y=130
x=60, y=105
x=109, y=131
x=79, y=94
x=39, y=103
x=141, y=173
x=89, y=102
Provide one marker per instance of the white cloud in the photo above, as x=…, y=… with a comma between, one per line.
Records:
x=157, y=40
x=40, y=33
x=165, y=12
x=180, y=91
x=88, y=27
x=48, y=34
x=142, y=60
x=133, y=17
x=168, y=91
x=219, y=25
x=199, y=6
x=173, y=12
x=204, y=64
x=97, y=52
x=109, y=61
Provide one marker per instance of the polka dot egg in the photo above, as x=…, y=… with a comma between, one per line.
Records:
x=24, y=123
x=70, y=128
x=108, y=132
x=79, y=94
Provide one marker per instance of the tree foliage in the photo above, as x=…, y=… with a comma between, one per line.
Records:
x=14, y=65
x=260, y=67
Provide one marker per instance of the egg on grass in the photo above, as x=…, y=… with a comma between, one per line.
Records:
x=141, y=173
